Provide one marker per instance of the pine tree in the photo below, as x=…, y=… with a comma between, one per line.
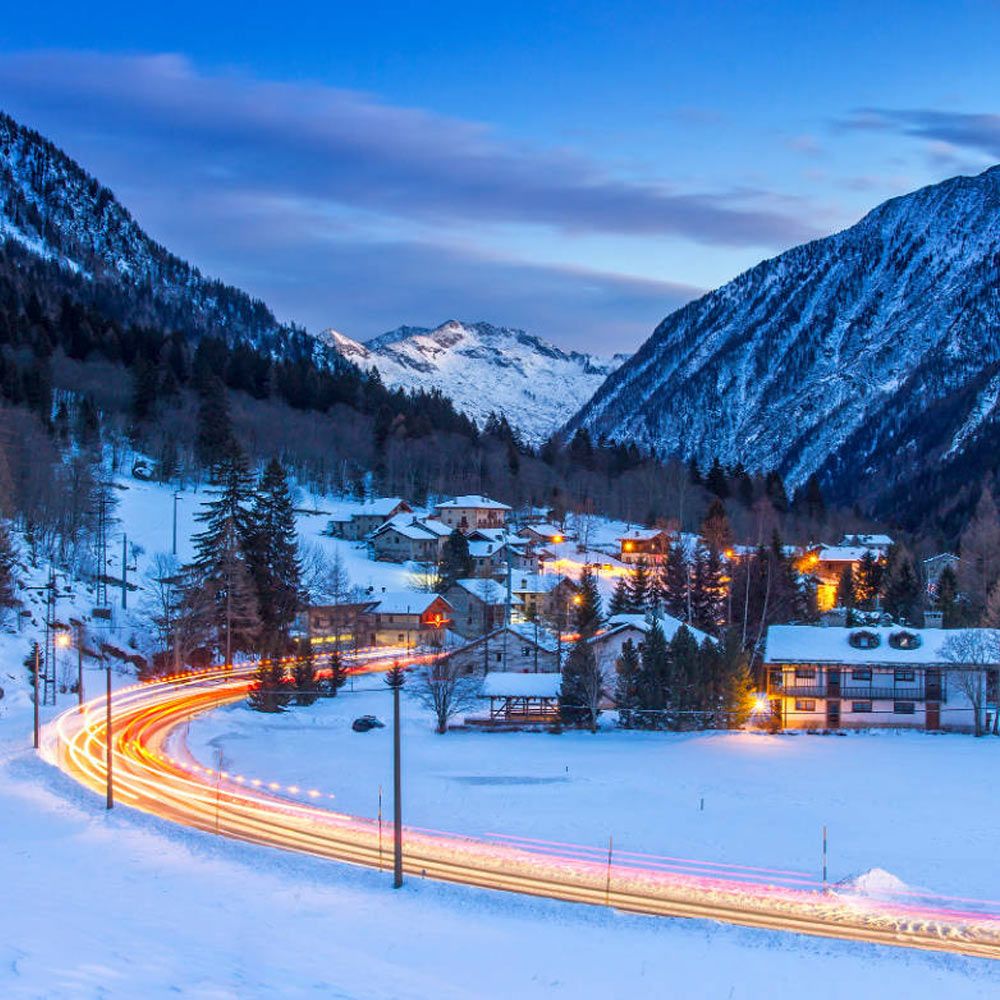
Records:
x=980, y=549
x=902, y=597
x=774, y=486
x=8, y=569
x=145, y=388
x=338, y=675
x=587, y=611
x=868, y=581
x=716, y=481
x=675, y=583
x=34, y=652
x=304, y=679
x=654, y=687
x=269, y=691
x=456, y=563
x=621, y=603
x=215, y=440
x=272, y=553
x=738, y=690
x=845, y=591
x=640, y=588
x=708, y=594
x=715, y=529
x=815, y=506
x=946, y=598
x=580, y=690
x=686, y=696
x=627, y=670
x=220, y=569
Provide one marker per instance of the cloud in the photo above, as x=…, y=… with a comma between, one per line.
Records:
x=350, y=149
x=946, y=131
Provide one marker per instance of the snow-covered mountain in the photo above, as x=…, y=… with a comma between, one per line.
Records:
x=484, y=368
x=871, y=356
x=52, y=210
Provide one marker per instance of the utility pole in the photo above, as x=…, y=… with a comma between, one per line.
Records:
x=394, y=678
x=124, y=572
x=177, y=497
x=107, y=733
x=38, y=656
x=824, y=859
x=79, y=664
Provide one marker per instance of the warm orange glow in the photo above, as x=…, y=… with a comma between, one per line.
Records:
x=557, y=539
x=577, y=599
x=62, y=640
x=629, y=546
x=826, y=596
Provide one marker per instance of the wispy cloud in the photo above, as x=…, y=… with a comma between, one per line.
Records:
x=349, y=148
x=945, y=130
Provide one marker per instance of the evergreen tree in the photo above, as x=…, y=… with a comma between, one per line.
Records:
x=980, y=549
x=738, y=690
x=675, y=583
x=654, y=680
x=580, y=690
x=686, y=696
x=708, y=592
x=587, y=611
x=716, y=481
x=627, y=670
x=338, y=675
x=902, y=597
x=220, y=570
x=456, y=563
x=8, y=569
x=845, y=592
x=813, y=502
x=304, y=678
x=715, y=529
x=640, y=589
x=774, y=487
x=145, y=388
x=272, y=551
x=621, y=603
x=269, y=691
x=946, y=598
x=868, y=581
x=215, y=440
x=34, y=652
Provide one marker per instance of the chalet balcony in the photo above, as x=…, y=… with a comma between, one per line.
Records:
x=862, y=692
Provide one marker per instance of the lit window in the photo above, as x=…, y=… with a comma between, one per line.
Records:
x=805, y=673
x=805, y=705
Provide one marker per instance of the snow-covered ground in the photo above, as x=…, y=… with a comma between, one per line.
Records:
x=123, y=905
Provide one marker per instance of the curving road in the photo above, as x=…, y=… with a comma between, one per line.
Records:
x=154, y=772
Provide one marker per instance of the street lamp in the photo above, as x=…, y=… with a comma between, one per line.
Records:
x=395, y=678
x=61, y=641
x=177, y=499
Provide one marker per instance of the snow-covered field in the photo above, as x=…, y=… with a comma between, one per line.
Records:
x=123, y=905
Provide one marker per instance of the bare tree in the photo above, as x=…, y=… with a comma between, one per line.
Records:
x=445, y=689
x=974, y=651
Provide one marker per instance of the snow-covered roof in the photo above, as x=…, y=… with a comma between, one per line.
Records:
x=546, y=530
x=472, y=501
x=644, y=623
x=536, y=583
x=513, y=685
x=521, y=632
x=831, y=644
x=842, y=553
x=868, y=541
x=409, y=526
x=640, y=534
x=404, y=602
x=490, y=591
x=480, y=550
x=489, y=534
x=378, y=507
x=435, y=527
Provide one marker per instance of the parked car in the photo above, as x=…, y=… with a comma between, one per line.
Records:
x=366, y=723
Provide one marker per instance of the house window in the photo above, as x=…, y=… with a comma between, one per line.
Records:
x=805, y=673
x=805, y=705
x=500, y=657
x=861, y=675
x=904, y=707
x=861, y=706
x=526, y=651
x=904, y=675
x=400, y=637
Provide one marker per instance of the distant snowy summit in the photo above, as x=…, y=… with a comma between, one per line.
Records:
x=484, y=368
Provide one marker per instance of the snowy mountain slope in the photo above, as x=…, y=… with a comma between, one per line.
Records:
x=51, y=208
x=815, y=359
x=484, y=368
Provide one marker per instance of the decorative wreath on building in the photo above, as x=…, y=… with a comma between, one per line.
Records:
x=863, y=639
x=904, y=640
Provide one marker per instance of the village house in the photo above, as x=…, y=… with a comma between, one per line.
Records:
x=935, y=566
x=406, y=618
x=470, y=512
x=337, y=626
x=826, y=564
x=885, y=675
x=619, y=629
x=543, y=596
x=480, y=605
x=879, y=544
x=543, y=534
x=648, y=545
x=372, y=514
x=408, y=538
x=510, y=648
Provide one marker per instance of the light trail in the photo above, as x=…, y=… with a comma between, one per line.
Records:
x=155, y=772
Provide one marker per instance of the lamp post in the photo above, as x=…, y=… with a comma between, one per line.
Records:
x=38, y=656
x=79, y=664
x=107, y=733
x=62, y=641
x=395, y=679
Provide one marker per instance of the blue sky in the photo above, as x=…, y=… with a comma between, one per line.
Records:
x=578, y=170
